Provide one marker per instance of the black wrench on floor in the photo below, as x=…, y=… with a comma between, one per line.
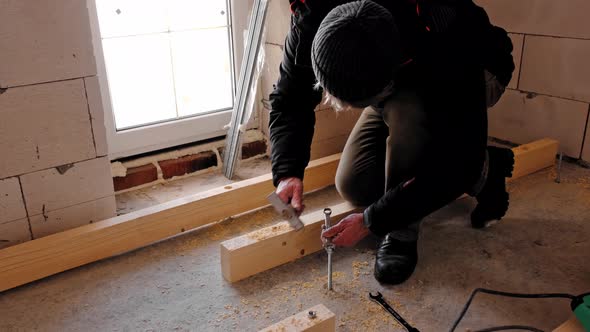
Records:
x=381, y=301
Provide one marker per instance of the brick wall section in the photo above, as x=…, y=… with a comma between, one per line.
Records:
x=53, y=176
x=136, y=176
x=249, y=149
x=157, y=170
x=187, y=164
x=550, y=94
x=253, y=149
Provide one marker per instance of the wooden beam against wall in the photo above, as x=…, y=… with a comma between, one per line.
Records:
x=261, y=250
x=273, y=246
x=56, y=253
x=533, y=157
x=324, y=321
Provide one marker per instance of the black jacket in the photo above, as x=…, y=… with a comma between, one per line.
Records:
x=448, y=43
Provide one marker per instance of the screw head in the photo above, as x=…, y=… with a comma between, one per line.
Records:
x=312, y=314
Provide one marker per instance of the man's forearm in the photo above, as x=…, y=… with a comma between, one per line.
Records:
x=292, y=117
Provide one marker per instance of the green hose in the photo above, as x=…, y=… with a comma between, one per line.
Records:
x=581, y=307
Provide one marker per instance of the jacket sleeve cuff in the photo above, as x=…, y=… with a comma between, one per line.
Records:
x=277, y=176
x=380, y=217
x=372, y=223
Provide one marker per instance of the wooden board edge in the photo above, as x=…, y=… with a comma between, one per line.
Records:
x=284, y=242
x=535, y=156
x=324, y=321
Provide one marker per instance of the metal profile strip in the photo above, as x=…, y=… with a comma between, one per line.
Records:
x=246, y=79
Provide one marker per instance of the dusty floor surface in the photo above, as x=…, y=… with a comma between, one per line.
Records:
x=176, y=285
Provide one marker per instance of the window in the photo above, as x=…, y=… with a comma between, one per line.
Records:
x=166, y=70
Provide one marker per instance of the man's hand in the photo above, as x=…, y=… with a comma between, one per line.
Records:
x=290, y=191
x=348, y=232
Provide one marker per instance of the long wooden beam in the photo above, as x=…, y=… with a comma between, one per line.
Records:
x=56, y=253
x=273, y=246
x=322, y=320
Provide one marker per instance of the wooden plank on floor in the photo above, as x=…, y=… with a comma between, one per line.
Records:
x=533, y=157
x=56, y=253
x=261, y=250
x=324, y=321
x=273, y=246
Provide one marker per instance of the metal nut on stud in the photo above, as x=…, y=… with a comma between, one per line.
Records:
x=312, y=314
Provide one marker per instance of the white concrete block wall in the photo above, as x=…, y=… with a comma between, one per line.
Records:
x=524, y=117
x=552, y=45
x=96, y=115
x=565, y=18
x=556, y=67
x=14, y=232
x=44, y=41
x=44, y=125
x=12, y=206
x=51, y=122
x=517, y=42
x=278, y=22
x=72, y=216
x=14, y=225
x=77, y=183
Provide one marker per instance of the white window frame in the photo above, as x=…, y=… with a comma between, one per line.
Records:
x=153, y=137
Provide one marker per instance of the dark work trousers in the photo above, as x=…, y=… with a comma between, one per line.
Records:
x=383, y=150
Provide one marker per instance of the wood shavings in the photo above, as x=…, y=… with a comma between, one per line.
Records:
x=269, y=232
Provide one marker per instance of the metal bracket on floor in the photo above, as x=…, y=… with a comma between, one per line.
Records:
x=558, y=177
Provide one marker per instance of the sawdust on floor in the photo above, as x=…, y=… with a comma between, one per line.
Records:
x=367, y=316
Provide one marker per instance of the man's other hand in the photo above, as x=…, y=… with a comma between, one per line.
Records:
x=290, y=191
x=348, y=232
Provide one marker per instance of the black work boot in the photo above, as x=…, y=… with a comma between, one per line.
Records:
x=396, y=259
x=493, y=198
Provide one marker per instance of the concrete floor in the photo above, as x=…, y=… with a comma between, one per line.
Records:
x=176, y=285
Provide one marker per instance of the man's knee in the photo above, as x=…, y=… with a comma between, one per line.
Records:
x=358, y=189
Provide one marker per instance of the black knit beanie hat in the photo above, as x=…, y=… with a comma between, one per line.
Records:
x=356, y=51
